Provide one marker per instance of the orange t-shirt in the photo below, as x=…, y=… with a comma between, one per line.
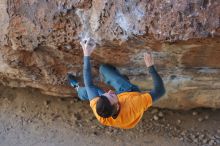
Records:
x=132, y=107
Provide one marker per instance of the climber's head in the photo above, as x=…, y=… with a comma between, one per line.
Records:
x=108, y=105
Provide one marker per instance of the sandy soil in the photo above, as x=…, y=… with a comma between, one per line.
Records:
x=28, y=118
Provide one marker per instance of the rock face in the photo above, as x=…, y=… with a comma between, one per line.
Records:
x=39, y=44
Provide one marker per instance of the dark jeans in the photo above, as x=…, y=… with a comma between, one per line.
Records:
x=112, y=77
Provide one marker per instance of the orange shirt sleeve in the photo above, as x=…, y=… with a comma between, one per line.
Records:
x=145, y=101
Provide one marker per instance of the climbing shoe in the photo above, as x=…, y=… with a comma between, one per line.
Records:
x=72, y=80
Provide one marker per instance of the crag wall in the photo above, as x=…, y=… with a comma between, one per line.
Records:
x=39, y=44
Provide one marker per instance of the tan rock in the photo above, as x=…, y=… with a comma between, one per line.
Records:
x=39, y=44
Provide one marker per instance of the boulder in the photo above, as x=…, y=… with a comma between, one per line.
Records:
x=39, y=45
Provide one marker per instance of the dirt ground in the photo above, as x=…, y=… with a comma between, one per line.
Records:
x=28, y=118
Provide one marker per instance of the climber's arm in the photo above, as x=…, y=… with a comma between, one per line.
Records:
x=88, y=47
x=158, y=89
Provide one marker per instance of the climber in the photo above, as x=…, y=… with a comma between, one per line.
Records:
x=124, y=107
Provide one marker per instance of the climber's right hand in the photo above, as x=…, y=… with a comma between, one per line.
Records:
x=148, y=59
x=88, y=46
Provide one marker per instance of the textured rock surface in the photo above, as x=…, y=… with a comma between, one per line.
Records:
x=39, y=44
